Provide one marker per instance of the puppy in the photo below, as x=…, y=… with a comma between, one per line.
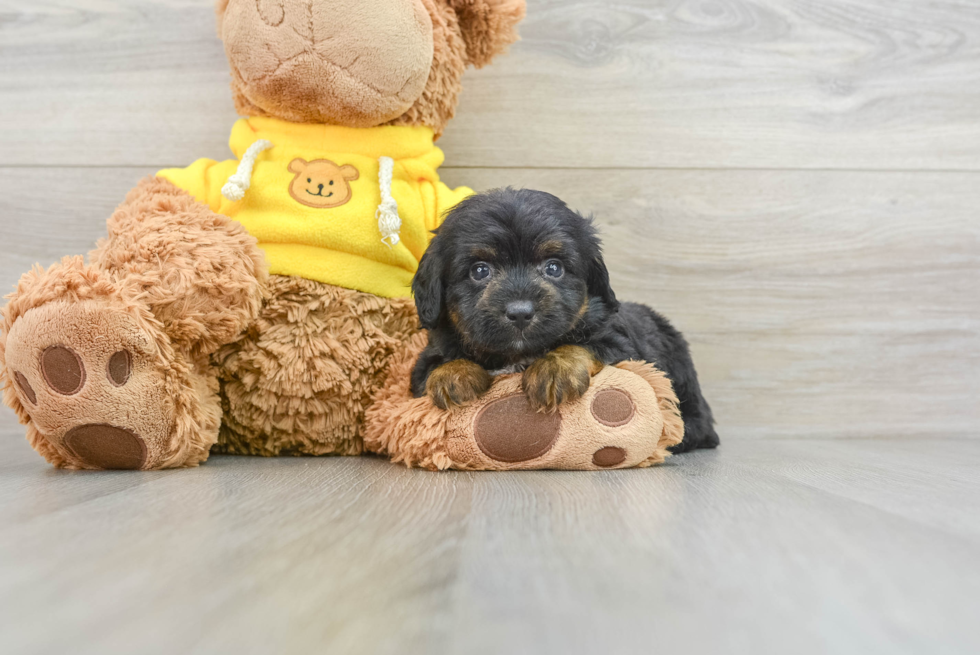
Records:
x=514, y=281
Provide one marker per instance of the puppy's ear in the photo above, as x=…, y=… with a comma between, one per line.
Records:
x=597, y=281
x=427, y=287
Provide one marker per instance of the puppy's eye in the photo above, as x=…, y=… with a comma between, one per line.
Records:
x=554, y=268
x=480, y=271
x=331, y=182
x=309, y=179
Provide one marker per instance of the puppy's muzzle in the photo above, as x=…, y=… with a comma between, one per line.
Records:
x=520, y=313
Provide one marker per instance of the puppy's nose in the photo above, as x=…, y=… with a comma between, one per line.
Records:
x=320, y=186
x=520, y=313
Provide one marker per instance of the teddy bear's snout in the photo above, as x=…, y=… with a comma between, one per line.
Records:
x=324, y=59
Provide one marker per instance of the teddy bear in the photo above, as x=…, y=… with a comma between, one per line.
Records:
x=261, y=305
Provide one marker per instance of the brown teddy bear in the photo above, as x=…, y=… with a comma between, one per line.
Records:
x=257, y=305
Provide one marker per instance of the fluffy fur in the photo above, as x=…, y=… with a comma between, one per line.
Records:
x=515, y=280
x=298, y=381
x=199, y=273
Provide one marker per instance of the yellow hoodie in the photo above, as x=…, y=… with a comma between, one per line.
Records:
x=316, y=204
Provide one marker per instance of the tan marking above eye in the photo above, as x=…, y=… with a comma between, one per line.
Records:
x=549, y=249
x=483, y=253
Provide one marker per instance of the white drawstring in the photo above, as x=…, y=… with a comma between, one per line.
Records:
x=234, y=189
x=389, y=223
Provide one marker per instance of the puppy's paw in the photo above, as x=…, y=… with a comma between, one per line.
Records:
x=561, y=375
x=456, y=383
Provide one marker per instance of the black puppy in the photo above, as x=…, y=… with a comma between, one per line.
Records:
x=514, y=281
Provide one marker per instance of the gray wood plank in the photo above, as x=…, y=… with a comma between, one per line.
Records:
x=65, y=219
x=879, y=84
x=693, y=561
x=817, y=303
x=932, y=483
x=715, y=552
x=112, y=82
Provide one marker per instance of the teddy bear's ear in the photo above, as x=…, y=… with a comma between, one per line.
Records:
x=219, y=12
x=349, y=172
x=488, y=26
x=298, y=165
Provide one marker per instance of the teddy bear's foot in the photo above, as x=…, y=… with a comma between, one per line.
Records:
x=627, y=417
x=616, y=424
x=93, y=377
x=86, y=377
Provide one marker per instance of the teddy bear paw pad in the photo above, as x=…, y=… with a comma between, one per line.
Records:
x=508, y=430
x=89, y=378
x=613, y=407
x=106, y=446
x=609, y=456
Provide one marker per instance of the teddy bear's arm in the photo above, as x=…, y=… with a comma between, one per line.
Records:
x=203, y=180
x=200, y=272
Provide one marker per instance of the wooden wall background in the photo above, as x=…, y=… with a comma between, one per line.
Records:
x=796, y=183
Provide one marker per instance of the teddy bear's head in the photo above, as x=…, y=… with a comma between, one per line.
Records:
x=359, y=63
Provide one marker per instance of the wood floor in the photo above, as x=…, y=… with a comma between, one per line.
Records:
x=795, y=183
x=763, y=546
